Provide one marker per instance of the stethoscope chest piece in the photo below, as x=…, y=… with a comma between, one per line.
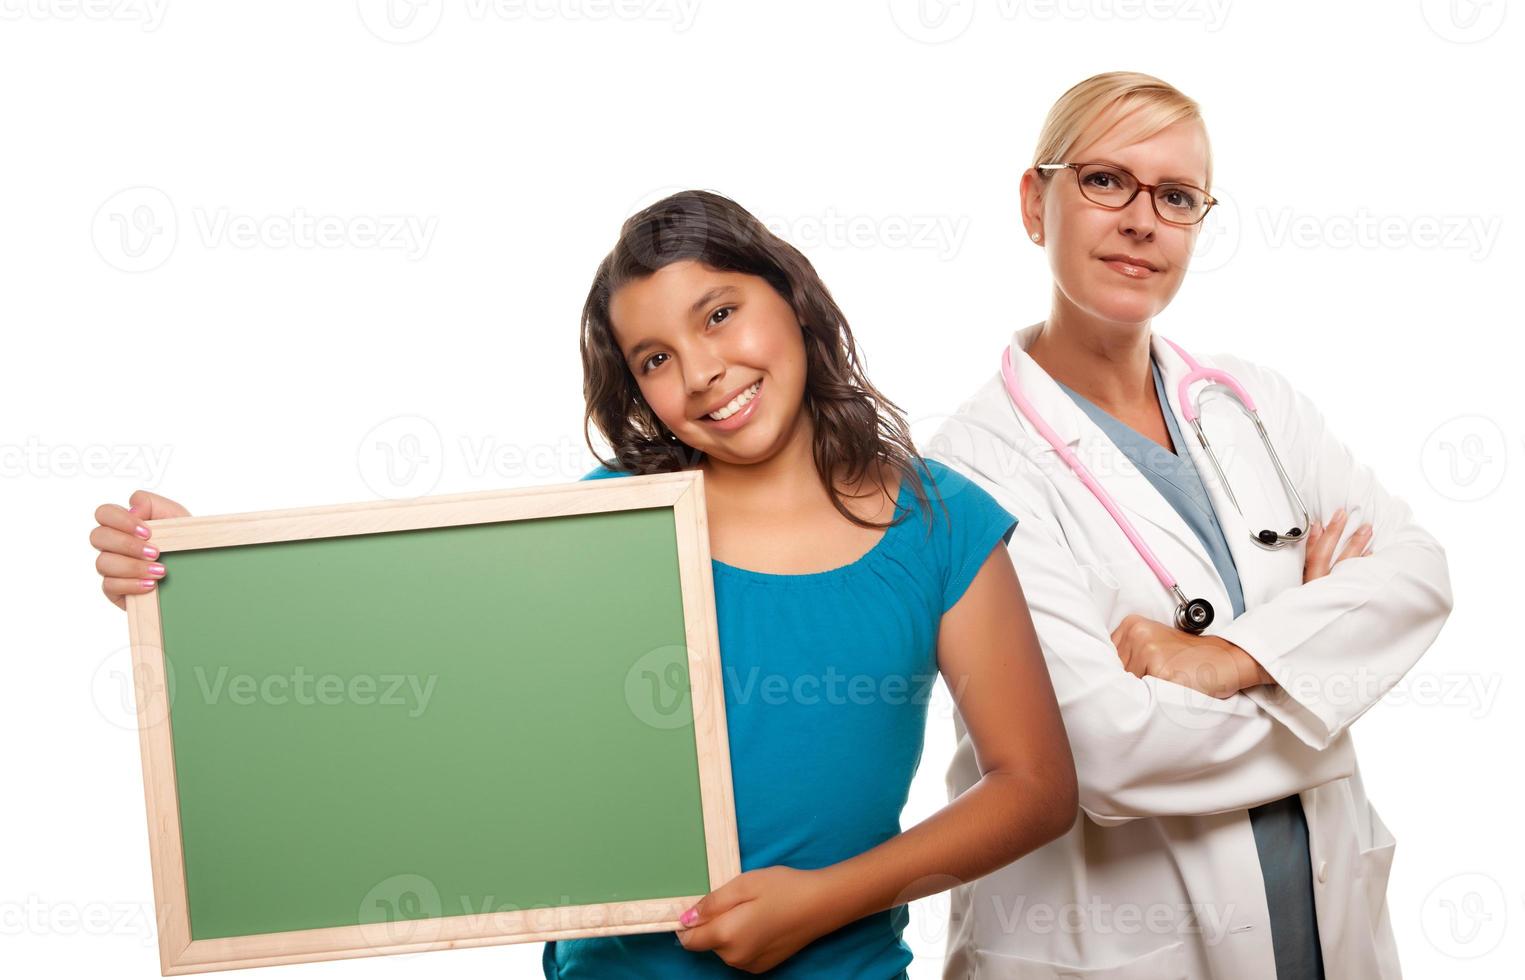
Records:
x=1193, y=615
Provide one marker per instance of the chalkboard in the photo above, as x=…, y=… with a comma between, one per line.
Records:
x=441, y=722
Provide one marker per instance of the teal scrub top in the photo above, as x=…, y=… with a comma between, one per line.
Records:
x=1281, y=827
x=827, y=678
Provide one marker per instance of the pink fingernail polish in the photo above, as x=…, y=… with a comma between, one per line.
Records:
x=150, y=552
x=147, y=583
x=156, y=569
x=132, y=510
x=689, y=917
x=140, y=531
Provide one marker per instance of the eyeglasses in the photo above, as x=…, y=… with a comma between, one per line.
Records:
x=1115, y=188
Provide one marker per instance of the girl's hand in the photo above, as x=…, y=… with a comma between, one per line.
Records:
x=760, y=918
x=127, y=563
x=1209, y=664
x=1321, y=542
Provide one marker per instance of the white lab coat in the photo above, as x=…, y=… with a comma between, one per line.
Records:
x=1160, y=878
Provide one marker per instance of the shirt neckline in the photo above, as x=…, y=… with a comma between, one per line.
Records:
x=1171, y=431
x=809, y=578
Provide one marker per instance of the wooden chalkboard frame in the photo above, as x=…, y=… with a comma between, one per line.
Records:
x=683, y=492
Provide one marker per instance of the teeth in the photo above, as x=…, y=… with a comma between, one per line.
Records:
x=735, y=404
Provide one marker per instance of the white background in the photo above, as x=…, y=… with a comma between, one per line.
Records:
x=171, y=323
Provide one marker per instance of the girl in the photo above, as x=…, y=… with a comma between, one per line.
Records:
x=848, y=572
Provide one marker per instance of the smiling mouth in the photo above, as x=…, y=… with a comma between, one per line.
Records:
x=1130, y=269
x=736, y=404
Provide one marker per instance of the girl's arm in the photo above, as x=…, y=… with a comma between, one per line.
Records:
x=989, y=656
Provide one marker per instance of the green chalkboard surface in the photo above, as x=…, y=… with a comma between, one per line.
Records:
x=433, y=722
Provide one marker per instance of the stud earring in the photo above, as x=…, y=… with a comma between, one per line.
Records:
x=1036, y=236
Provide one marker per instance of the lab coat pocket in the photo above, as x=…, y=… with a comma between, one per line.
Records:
x=1165, y=963
x=1377, y=865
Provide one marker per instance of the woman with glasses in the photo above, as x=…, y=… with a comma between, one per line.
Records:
x=1219, y=587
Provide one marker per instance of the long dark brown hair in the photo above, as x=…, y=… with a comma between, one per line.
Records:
x=855, y=426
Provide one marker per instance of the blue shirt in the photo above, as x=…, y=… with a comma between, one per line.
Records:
x=1280, y=827
x=827, y=678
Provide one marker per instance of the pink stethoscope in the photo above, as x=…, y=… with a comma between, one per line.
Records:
x=1192, y=615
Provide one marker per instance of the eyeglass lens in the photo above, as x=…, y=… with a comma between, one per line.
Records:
x=1114, y=188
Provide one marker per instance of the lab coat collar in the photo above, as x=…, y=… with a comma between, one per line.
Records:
x=1060, y=410
x=1116, y=473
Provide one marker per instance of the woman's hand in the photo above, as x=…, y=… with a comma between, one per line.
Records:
x=1209, y=664
x=760, y=918
x=1321, y=542
x=127, y=563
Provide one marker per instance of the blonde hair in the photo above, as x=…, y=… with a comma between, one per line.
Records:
x=1103, y=101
